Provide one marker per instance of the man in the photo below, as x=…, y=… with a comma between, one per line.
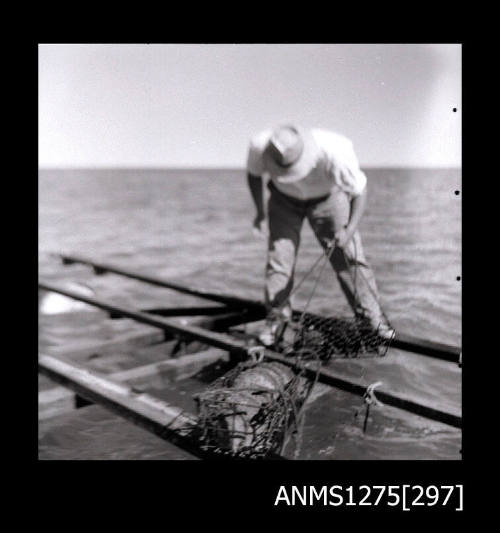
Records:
x=312, y=174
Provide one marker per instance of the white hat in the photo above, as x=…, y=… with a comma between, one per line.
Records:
x=291, y=153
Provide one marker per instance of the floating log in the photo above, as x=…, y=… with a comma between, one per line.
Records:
x=239, y=347
x=248, y=411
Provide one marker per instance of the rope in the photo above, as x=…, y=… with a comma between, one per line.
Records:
x=304, y=277
x=354, y=260
x=280, y=414
x=369, y=399
x=348, y=260
x=299, y=418
x=326, y=257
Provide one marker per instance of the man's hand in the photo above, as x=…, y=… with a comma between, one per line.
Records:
x=343, y=236
x=259, y=225
x=256, y=190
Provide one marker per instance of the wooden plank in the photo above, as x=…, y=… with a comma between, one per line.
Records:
x=216, y=321
x=446, y=352
x=101, y=268
x=426, y=410
x=177, y=368
x=55, y=401
x=144, y=410
x=357, y=387
x=187, y=311
x=403, y=341
x=58, y=400
x=221, y=322
x=144, y=336
x=178, y=327
x=127, y=340
x=238, y=346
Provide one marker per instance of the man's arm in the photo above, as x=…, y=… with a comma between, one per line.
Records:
x=255, y=184
x=358, y=204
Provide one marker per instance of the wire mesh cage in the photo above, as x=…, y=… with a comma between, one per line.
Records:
x=310, y=336
x=250, y=411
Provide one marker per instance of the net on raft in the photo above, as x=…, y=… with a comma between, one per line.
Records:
x=252, y=411
x=310, y=336
x=313, y=337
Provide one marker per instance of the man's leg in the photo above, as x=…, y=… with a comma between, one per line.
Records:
x=285, y=222
x=358, y=280
x=355, y=275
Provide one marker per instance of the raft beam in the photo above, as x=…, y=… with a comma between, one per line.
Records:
x=58, y=400
x=402, y=341
x=157, y=416
x=239, y=347
x=101, y=268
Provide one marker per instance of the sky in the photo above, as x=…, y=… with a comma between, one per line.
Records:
x=197, y=105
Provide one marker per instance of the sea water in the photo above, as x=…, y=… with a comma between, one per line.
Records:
x=193, y=226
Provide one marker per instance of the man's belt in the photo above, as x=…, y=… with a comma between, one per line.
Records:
x=297, y=201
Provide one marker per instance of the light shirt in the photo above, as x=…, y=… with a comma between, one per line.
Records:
x=336, y=165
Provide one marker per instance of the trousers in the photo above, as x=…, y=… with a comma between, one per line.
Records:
x=325, y=215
